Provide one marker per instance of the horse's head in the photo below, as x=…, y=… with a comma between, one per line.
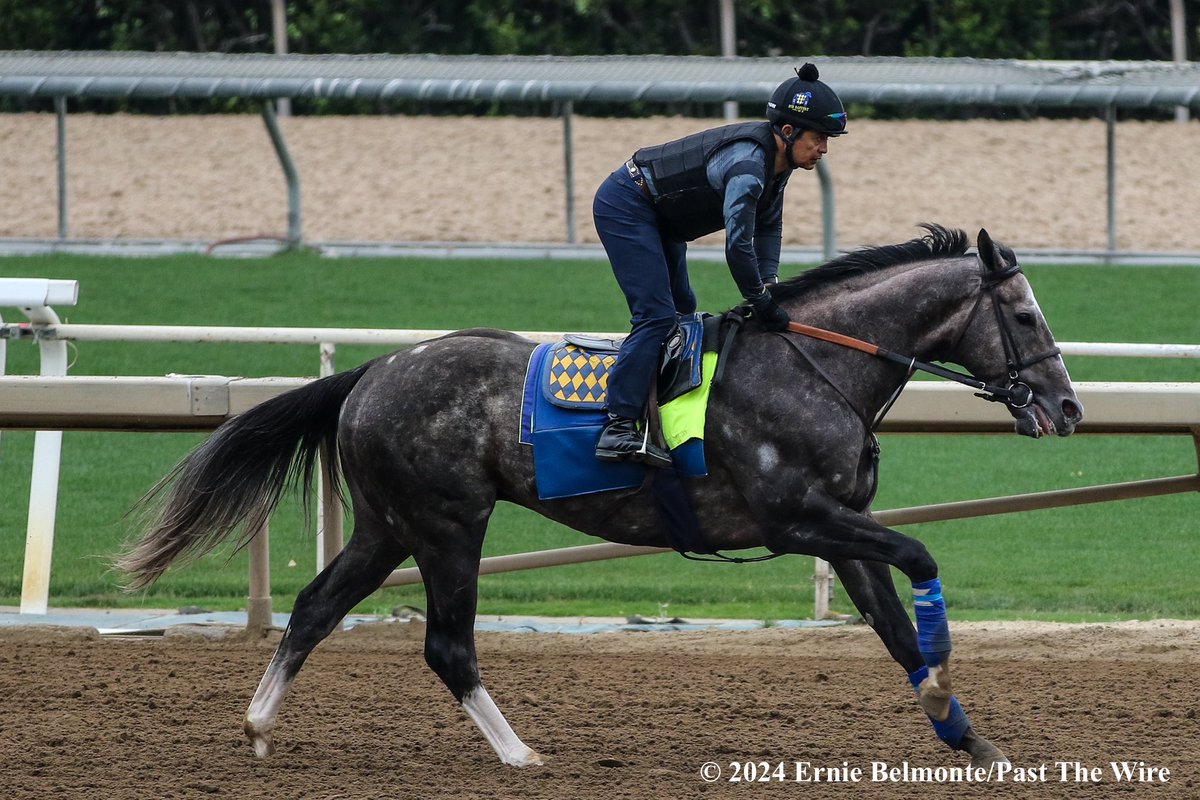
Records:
x=1007, y=342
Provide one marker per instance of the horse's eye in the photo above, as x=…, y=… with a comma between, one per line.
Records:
x=1025, y=318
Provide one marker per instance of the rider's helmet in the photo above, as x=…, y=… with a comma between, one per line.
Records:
x=807, y=103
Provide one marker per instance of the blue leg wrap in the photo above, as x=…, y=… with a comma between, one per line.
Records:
x=933, y=632
x=954, y=727
x=915, y=678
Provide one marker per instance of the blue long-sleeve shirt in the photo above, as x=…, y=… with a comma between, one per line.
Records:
x=752, y=239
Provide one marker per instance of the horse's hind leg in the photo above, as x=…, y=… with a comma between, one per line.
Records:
x=869, y=585
x=451, y=575
x=368, y=558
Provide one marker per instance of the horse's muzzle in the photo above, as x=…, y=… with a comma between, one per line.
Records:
x=1037, y=418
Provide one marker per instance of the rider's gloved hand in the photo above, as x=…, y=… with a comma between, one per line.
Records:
x=768, y=313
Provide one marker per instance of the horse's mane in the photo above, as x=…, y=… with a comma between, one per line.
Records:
x=939, y=242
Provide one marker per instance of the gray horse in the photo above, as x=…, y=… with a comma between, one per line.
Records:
x=428, y=444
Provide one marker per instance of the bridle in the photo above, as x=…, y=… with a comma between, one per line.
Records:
x=1016, y=395
x=1012, y=356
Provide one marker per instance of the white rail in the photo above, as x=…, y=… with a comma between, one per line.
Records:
x=203, y=402
x=401, y=338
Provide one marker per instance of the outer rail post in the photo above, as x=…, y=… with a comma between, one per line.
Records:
x=60, y=117
x=1110, y=172
x=295, y=236
x=828, y=212
x=569, y=168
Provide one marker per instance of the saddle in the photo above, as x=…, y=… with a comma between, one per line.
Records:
x=562, y=409
x=562, y=414
x=577, y=367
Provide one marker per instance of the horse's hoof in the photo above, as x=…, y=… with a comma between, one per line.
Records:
x=264, y=746
x=987, y=762
x=983, y=753
x=263, y=742
x=935, y=692
x=525, y=758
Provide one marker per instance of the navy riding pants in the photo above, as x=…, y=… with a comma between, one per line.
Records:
x=652, y=272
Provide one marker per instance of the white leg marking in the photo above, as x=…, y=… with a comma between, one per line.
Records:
x=487, y=717
x=936, y=692
x=260, y=716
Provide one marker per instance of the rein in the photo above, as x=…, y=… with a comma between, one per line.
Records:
x=1016, y=395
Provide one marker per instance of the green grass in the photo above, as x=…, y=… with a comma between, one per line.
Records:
x=1110, y=561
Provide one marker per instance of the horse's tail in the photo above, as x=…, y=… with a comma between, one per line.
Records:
x=233, y=481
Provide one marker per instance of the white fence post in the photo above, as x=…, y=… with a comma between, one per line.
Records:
x=258, y=602
x=330, y=516
x=823, y=583
x=34, y=296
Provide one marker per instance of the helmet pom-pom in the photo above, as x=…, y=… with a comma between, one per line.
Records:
x=808, y=72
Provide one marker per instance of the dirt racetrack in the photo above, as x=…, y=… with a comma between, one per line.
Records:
x=623, y=715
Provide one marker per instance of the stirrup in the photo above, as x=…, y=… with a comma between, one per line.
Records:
x=651, y=454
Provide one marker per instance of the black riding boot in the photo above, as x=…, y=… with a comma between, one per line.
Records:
x=622, y=441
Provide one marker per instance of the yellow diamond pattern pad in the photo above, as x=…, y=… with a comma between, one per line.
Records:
x=577, y=376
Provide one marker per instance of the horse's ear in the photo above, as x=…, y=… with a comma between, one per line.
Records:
x=987, y=251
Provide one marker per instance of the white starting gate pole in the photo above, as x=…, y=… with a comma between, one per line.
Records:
x=34, y=296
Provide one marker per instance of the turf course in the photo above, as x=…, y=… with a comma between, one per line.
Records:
x=1115, y=561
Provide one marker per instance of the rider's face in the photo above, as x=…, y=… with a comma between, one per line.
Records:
x=809, y=148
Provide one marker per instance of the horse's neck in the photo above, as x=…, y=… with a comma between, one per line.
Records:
x=915, y=311
x=910, y=310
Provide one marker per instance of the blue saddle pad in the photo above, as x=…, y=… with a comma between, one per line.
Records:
x=575, y=373
x=561, y=418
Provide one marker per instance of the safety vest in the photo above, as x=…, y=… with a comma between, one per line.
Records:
x=686, y=202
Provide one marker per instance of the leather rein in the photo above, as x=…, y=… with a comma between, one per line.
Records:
x=1017, y=394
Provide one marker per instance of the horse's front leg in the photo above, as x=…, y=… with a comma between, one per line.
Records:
x=869, y=586
x=823, y=527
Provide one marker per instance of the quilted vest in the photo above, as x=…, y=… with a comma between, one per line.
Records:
x=686, y=202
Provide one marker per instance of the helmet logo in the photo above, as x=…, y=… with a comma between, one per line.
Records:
x=800, y=102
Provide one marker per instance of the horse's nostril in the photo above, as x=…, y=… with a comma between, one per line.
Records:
x=1071, y=411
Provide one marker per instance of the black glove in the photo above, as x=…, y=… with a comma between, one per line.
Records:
x=768, y=312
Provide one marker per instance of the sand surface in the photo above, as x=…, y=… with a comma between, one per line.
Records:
x=1031, y=183
x=623, y=715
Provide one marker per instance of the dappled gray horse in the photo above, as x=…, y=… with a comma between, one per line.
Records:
x=428, y=443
